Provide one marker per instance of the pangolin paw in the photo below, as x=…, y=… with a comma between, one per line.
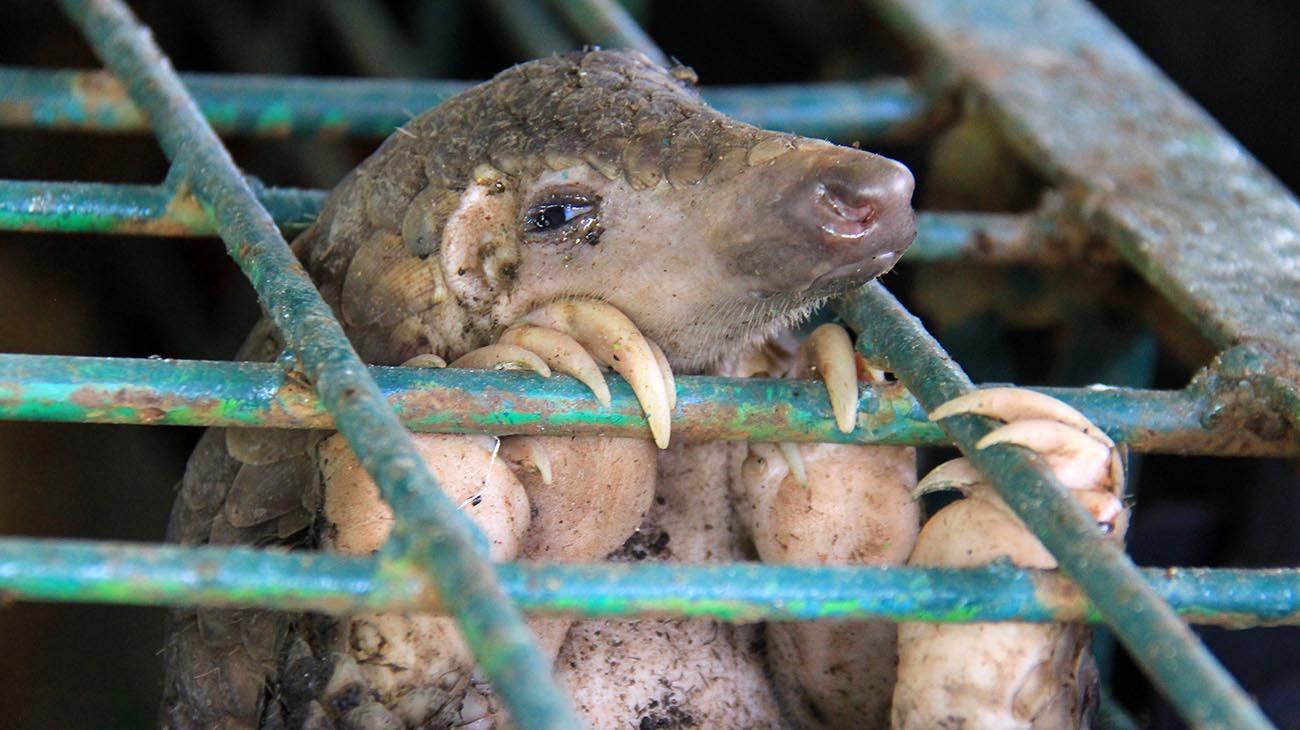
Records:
x=828, y=354
x=572, y=337
x=1081, y=456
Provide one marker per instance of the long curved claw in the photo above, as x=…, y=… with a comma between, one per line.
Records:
x=1079, y=460
x=1015, y=404
x=613, y=339
x=562, y=353
x=501, y=356
x=529, y=452
x=957, y=474
x=831, y=352
x=794, y=460
x=670, y=383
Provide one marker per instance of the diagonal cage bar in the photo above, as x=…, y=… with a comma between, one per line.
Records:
x=606, y=23
x=1153, y=173
x=1285, y=392
x=443, y=545
x=194, y=393
x=1175, y=660
x=127, y=574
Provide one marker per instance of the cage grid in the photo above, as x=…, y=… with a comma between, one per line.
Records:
x=1079, y=73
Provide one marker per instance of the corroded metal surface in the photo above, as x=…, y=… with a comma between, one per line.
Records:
x=1154, y=174
x=142, y=210
x=430, y=535
x=151, y=210
x=283, y=106
x=1161, y=644
x=141, y=575
x=1217, y=415
x=1182, y=202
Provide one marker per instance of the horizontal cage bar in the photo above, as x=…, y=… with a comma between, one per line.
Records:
x=283, y=106
x=161, y=210
x=193, y=393
x=106, y=572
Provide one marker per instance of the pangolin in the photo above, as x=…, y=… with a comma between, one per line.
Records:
x=582, y=206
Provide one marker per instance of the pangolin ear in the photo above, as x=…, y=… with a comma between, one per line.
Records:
x=480, y=241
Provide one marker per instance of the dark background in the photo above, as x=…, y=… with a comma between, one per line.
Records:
x=96, y=666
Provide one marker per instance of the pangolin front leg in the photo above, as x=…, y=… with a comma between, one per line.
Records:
x=829, y=504
x=534, y=498
x=1007, y=675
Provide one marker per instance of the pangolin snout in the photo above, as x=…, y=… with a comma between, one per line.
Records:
x=864, y=203
x=856, y=209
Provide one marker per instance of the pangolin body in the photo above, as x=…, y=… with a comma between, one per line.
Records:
x=594, y=176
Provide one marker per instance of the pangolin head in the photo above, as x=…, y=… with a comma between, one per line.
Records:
x=599, y=175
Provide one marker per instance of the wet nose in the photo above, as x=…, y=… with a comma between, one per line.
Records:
x=854, y=202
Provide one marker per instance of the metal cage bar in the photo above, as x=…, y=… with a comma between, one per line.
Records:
x=1204, y=692
x=1147, y=165
x=245, y=394
x=1257, y=319
x=169, y=575
x=284, y=106
x=163, y=210
x=491, y=625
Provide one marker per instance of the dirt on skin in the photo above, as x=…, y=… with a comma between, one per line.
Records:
x=591, y=177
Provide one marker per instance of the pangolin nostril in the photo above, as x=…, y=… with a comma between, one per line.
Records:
x=848, y=204
x=861, y=207
x=853, y=199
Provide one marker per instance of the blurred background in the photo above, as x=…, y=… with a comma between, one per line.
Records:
x=64, y=665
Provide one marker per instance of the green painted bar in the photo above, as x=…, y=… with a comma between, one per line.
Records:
x=606, y=23
x=151, y=575
x=430, y=535
x=149, y=210
x=1198, y=216
x=1204, y=693
x=194, y=393
x=264, y=106
x=152, y=210
x=283, y=106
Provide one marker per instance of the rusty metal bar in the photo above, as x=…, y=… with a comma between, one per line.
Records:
x=284, y=106
x=140, y=210
x=430, y=535
x=151, y=575
x=1204, y=693
x=160, y=210
x=1197, y=420
x=1149, y=170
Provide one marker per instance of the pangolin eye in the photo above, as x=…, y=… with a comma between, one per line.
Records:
x=551, y=215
